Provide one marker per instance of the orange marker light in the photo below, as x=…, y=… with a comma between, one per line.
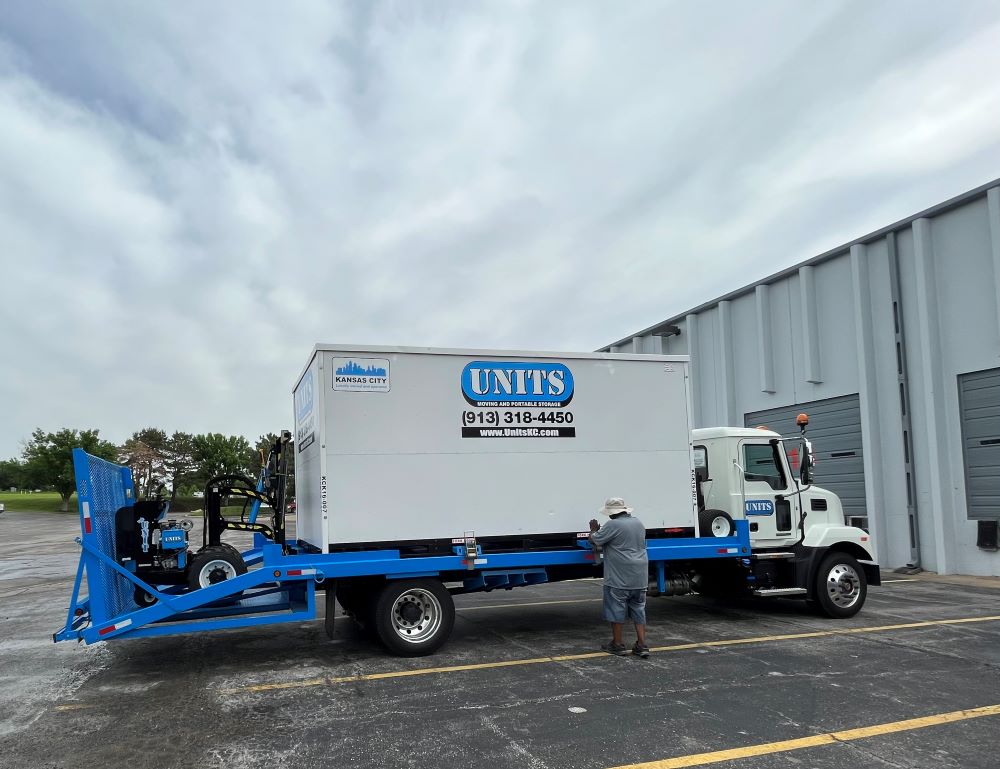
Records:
x=802, y=419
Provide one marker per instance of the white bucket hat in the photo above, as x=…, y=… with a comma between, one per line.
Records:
x=614, y=506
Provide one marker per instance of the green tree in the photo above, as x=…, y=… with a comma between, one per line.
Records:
x=48, y=458
x=12, y=474
x=179, y=461
x=218, y=454
x=145, y=454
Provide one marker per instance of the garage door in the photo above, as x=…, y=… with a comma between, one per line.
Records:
x=979, y=396
x=835, y=432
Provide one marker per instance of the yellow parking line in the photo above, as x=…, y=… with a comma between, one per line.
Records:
x=848, y=735
x=331, y=680
x=518, y=605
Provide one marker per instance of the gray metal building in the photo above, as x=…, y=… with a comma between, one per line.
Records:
x=891, y=343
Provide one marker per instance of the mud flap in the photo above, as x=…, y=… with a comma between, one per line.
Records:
x=331, y=607
x=872, y=572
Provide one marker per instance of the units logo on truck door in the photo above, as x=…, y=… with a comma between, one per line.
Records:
x=366, y=375
x=759, y=507
x=523, y=399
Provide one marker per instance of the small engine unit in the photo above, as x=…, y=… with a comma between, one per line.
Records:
x=152, y=546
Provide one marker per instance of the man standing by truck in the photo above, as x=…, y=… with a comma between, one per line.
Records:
x=626, y=574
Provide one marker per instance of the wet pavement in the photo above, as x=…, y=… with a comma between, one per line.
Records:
x=518, y=685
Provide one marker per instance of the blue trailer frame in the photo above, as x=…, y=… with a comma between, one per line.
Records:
x=280, y=585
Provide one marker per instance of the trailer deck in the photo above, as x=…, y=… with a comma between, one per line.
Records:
x=282, y=580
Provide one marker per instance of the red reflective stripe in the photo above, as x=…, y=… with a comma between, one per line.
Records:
x=86, y=526
x=294, y=572
x=106, y=630
x=722, y=550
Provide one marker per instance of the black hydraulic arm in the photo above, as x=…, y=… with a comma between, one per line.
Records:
x=274, y=477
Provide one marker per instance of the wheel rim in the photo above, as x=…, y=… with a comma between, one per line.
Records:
x=416, y=615
x=214, y=572
x=843, y=585
x=720, y=527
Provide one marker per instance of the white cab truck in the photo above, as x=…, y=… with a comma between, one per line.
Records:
x=424, y=473
x=801, y=545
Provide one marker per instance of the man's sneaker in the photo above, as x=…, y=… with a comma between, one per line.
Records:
x=612, y=648
x=640, y=650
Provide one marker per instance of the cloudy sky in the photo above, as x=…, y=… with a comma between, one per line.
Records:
x=193, y=194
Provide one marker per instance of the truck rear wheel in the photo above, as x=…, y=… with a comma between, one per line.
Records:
x=840, y=587
x=414, y=617
x=715, y=523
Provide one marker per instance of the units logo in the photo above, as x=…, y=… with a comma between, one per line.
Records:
x=758, y=507
x=304, y=397
x=370, y=375
x=305, y=421
x=494, y=383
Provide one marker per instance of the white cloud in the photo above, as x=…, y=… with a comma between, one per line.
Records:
x=190, y=200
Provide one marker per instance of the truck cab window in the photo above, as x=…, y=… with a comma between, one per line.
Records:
x=701, y=463
x=761, y=463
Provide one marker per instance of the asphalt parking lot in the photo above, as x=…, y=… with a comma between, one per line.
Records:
x=730, y=684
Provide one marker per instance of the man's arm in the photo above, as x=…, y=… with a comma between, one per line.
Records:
x=602, y=535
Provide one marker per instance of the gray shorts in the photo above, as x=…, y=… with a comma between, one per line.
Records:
x=620, y=605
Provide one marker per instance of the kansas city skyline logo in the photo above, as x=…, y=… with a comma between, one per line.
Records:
x=521, y=383
x=361, y=374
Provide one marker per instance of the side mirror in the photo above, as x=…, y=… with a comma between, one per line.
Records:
x=807, y=461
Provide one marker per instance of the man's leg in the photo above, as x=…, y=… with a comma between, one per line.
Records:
x=637, y=611
x=615, y=613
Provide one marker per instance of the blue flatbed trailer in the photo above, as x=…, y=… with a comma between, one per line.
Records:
x=281, y=582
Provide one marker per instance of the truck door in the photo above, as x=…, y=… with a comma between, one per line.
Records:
x=769, y=499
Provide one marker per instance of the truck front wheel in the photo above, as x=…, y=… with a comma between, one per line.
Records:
x=414, y=617
x=841, y=587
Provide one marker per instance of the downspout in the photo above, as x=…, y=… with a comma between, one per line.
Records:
x=902, y=375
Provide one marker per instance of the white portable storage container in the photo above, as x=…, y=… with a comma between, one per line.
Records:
x=402, y=445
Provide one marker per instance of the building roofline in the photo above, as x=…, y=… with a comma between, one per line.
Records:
x=934, y=210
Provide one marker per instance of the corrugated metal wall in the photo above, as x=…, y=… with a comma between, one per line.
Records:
x=898, y=318
x=979, y=394
x=835, y=431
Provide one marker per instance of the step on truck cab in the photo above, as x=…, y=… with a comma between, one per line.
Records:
x=425, y=473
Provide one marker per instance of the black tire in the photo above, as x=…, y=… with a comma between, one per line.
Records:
x=214, y=564
x=414, y=617
x=713, y=523
x=840, y=586
x=143, y=599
